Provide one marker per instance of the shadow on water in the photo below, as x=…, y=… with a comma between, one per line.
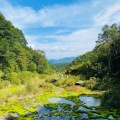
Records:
x=70, y=108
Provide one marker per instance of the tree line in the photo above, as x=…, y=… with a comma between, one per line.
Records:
x=15, y=55
x=103, y=63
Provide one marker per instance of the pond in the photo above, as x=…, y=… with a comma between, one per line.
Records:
x=54, y=118
x=61, y=100
x=90, y=100
x=43, y=110
x=66, y=111
x=83, y=108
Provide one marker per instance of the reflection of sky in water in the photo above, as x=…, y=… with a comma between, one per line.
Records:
x=110, y=117
x=43, y=110
x=61, y=100
x=90, y=101
x=26, y=105
x=59, y=108
x=83, y=108
x=55, y=118
x=84, y=115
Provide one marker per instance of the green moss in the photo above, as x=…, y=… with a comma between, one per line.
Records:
x=52, y=106
x=65, y=106
x=1, y=112
x=75, y=107
x=26, y=118
x=82, y=111
x=73, y=98
x=16, y=105
x=57, y=113
x=92, y=115
x=75, y=114
x=30, y=109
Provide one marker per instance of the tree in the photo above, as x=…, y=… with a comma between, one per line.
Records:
x=110, y=38
x=14, y=52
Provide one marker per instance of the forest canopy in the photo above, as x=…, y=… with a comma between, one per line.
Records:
x=15, y=55
x=103, y=61
x=103, y=64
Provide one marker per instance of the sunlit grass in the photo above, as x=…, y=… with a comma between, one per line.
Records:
x=39, y=88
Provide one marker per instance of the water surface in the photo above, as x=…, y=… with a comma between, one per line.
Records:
x=61, y=100
x=43, y=110
x=90, y=100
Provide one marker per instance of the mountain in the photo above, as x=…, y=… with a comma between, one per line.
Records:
x=15, y=55
x=62, y=60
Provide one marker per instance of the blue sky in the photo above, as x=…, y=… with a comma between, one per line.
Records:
x=62, y=28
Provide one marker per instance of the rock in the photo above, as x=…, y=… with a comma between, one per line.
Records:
x=2, y=118
x=55, y=79
x=79, y=83
x=6, y=116
x=15, y=115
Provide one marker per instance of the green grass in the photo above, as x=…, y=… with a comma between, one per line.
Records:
x=67, y=81
x=35, y=91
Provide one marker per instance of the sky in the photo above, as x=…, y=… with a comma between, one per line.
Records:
x=62, y=28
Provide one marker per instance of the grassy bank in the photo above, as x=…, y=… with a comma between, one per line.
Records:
x=26, y=86
x=22, y=84
x=33, y=90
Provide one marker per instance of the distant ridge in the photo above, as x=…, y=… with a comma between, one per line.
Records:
x=62, y=60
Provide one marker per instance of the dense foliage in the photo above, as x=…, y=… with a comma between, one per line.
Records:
x=103, y=63
x=60, y=66
x=15, y=55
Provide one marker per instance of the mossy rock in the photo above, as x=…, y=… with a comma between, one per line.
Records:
x=26, y=118
x=57, y=113
x=65, y=106
x=76, y=114
x=52, y=106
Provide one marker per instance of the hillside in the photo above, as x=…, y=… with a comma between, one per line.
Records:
x=62, y=60
x=15, y=55
x=101, y=67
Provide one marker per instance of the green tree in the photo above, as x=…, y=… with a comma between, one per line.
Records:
x=14, y=52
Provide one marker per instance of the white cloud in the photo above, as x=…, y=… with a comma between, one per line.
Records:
x=72, y=44
x=81, y=25
x=26, y=17
x=108, y=15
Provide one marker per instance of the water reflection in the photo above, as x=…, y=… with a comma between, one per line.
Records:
x=83, y=108
x=90, y=101
x=61, y=100
x=43, y=110
x=54, y=118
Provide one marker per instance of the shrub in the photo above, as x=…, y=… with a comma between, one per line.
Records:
x=68, y=81
x=111, y=99
x=93, y=84
x=4, y=84
x=32, y=67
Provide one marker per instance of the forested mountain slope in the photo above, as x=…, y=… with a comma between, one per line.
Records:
x=15, y=55
x=103, y=63
x=62, y=60
x=61, y=64
x=104, y=60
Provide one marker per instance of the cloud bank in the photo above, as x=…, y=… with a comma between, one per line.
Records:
x=62, y=30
